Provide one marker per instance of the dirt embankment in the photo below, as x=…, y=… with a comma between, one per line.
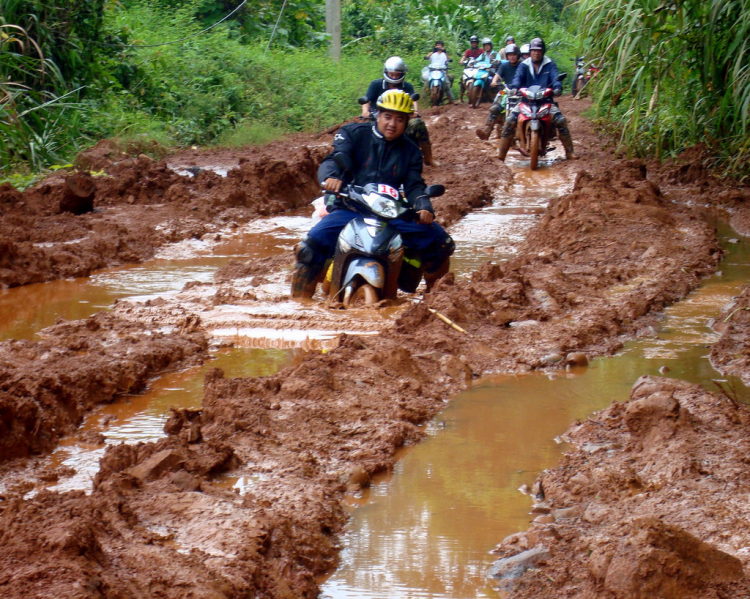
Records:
x=159, y=523
x=650, y=504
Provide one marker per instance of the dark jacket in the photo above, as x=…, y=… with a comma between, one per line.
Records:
x=395, y=163
x=507, y=72
x=378, y=86
x=547, y=76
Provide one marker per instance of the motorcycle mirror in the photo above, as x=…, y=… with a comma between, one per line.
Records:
x=562, y=76
x=434, y=191
x=343, y=161
x=415, y=97
x=363, y=100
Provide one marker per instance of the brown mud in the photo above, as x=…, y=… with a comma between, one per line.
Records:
x=161, y=519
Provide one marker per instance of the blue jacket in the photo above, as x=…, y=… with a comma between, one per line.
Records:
x=547, y=76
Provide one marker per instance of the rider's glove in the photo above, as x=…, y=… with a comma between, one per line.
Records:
x=557, y=92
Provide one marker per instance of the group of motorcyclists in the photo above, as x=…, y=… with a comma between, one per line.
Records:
x=392, y=144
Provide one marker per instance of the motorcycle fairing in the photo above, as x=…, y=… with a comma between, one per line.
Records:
x=366, y=267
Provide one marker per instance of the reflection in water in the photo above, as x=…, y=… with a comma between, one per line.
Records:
x=428, y=530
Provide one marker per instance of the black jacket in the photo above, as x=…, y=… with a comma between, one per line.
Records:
x=379, y=86
x=395, y=163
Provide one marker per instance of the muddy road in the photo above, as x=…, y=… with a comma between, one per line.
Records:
x=599, y=262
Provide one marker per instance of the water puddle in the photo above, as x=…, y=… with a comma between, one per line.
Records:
x=427, y=531
x=141, y=418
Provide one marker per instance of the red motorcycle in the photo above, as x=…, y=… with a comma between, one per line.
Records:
x=535, y=129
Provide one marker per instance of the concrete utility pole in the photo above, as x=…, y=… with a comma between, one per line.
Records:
x=333, y=27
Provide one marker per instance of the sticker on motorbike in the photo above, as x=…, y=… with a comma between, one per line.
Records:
x=389, y=190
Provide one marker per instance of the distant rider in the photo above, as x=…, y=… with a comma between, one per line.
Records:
x=473, y=52
x=380, y=153
x=539, y=70
x=505, y=73
x=489, y=55
x=524, y=52
x=503, y=54
x=394, y=77
x=439, y=61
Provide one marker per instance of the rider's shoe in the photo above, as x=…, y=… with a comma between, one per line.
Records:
x=502, y=151
x=426, y=148
x=430, y=278
x=304, y=281
x=567, y=142
x=484, y=134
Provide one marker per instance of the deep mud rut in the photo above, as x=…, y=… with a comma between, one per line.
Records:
x=628, y=239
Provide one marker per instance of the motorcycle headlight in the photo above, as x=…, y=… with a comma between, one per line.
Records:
x=382, y=206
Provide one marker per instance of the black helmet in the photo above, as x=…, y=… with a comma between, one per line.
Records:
x=509, y=40
x=537, y=44
x=474, y=38
x=512, y=49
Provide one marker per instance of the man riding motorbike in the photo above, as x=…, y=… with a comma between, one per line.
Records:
x=380, y=153
x=539, y=70
x=439, y=61
x=503, y=54
x=394, y=74
x=506, y=73
x=472, y=52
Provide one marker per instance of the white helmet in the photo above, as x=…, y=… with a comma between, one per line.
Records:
x=486, y=40
x=525, y=49
x=394, y=64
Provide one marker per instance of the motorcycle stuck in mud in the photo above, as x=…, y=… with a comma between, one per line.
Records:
x=535, y=128
x=370, y=262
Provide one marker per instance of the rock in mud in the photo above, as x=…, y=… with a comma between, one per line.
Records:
x=657, y=559
x=577, y=359
x=511, y=568
x=159, y=463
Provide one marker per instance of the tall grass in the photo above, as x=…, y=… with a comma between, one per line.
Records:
x=675, y=74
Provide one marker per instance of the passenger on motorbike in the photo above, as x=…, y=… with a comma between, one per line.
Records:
x=524, y=52
x=380, y=153
x=394, y=74
x=503, y=54
x=539, y=70
x=439, y=61
x=472, y=52
x=506, y=73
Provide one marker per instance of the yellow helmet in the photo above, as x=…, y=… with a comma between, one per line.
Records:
x=396, y=100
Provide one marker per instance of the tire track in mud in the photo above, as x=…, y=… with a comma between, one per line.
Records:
x=590, y=274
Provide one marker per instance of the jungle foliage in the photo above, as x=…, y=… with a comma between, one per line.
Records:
x=75, y=71
x=675, y=74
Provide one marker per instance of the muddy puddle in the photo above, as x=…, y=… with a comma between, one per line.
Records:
x=428, y=529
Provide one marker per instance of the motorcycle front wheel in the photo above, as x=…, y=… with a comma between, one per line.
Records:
x=534, y=149
x=435, y=95
x=475, y=96
x=359, y=297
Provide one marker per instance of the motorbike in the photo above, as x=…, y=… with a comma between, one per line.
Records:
x=370, y=262
x=434, y=80
x=579, y=79
x=535, y=129
x=467, y=78
x=480, y=86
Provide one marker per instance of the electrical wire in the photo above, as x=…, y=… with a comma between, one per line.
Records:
x=182, y=39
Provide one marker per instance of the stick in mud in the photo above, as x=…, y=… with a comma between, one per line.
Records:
x=448, y=321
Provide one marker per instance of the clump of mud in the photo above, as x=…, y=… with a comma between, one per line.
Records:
x=48, y=386
x=647, y=503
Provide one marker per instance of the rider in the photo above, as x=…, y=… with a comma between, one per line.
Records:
x=380, y=153
x=489, y=55
x=524, y=52
x=506, y=73
x=472, y=52
x=503, y=54
x=439, y=61
x=539, y=70
x=394, y=74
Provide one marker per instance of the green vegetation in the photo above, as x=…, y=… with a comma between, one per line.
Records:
x=76, y=71
x=675, y=74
